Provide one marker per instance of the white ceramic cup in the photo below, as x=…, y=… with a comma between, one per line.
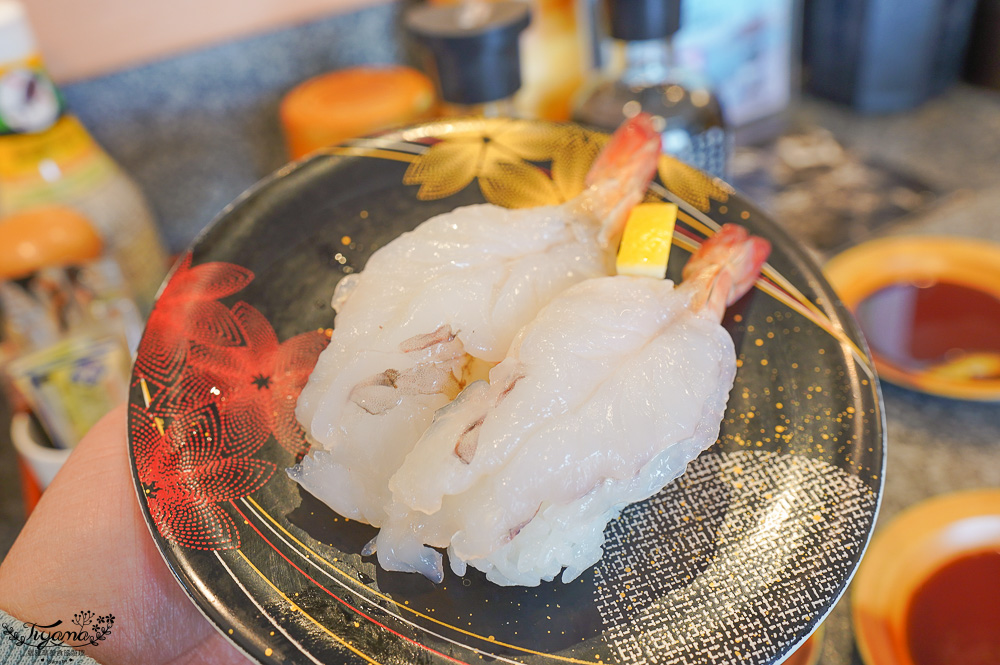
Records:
x=43, y=461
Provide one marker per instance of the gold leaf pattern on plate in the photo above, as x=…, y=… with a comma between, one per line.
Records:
x=503, y=155
x=499, y=154
x=692, y=185
x=530, y=141
x=446, y=168
x=572, y=158
x=518, y=185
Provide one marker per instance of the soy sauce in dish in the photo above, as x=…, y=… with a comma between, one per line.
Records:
x=954, y=616
x=933, y=326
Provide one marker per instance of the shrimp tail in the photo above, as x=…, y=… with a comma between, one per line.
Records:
x=724, y=268
x=618, y=179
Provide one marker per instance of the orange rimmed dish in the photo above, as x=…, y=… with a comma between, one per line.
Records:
x=925, y=593
x=944, y=276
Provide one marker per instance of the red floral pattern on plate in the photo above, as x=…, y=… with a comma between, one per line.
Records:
x=188, y=310
x=216, y=384
x=185, y=476
x=256, y=384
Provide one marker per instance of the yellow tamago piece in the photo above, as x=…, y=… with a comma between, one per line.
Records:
x=645, y=246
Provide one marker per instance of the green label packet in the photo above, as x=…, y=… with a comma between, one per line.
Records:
x=72, y=384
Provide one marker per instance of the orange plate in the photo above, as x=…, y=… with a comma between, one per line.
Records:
x=861, y=271
x=913, y=546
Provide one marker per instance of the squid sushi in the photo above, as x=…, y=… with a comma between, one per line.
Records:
x=439, y=306
x=601, y=400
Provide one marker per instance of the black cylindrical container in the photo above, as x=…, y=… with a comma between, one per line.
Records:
x=881, y=56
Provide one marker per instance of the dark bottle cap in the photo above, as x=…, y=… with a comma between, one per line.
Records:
x=473, y=48
x=635, y=20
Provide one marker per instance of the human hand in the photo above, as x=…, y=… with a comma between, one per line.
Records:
x=87, y=547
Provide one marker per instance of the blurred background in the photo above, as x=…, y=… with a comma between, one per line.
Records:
x=137, y=122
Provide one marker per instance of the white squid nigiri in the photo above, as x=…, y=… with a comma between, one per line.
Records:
x=441, y=303
x=602, y=400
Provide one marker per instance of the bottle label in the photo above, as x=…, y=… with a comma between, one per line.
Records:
x=29, y=101
x=65, y=142
x=45, y=153
x=53, y=166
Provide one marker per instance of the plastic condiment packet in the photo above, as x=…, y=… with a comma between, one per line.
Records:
x=72, y=384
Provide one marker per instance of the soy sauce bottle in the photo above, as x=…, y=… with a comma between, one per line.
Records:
x=642, y=76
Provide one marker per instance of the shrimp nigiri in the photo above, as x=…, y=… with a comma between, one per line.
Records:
x=602, y=400
x=441, y=303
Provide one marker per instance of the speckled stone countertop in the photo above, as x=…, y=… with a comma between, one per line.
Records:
x=197, y=130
